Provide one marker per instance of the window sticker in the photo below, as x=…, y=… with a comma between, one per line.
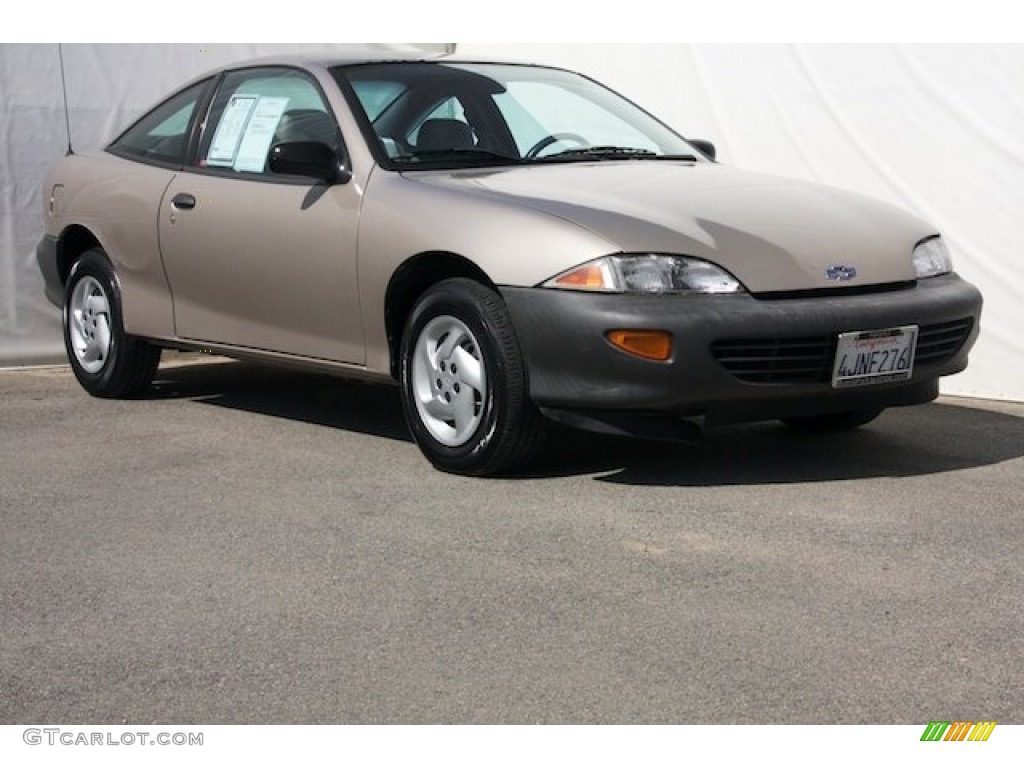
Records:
x=232, y=123
x=259, y=133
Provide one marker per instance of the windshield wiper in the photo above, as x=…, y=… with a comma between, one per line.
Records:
x=611, y=153
x=474, y=155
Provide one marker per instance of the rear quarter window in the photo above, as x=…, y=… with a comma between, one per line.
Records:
x=161, y=136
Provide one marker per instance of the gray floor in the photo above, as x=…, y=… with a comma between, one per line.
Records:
x=259, y=547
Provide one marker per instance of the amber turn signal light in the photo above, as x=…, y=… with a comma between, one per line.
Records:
x=590, y=277
x=650, y=345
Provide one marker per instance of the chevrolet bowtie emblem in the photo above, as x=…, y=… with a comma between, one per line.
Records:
x=841, y=272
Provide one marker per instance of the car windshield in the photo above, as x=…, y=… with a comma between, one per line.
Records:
x=458, y=115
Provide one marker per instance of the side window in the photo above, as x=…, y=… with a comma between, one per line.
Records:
x=254, y=109
x=162, y=135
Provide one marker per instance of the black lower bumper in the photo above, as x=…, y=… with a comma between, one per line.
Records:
x=574, y=369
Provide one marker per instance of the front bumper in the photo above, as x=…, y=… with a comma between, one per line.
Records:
x=578, y=376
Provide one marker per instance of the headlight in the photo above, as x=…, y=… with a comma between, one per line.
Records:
x=931, y=258
x=647, y=273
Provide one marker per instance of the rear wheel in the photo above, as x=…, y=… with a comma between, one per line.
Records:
x=834, y=422
x=464, y=385
x=106, y=361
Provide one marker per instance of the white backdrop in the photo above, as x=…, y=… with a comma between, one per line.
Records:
x=108, y=86
x=935, y=129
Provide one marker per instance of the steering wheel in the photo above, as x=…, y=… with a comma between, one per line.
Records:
x=553, y=138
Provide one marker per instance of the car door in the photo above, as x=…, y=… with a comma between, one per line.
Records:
x=255, y=259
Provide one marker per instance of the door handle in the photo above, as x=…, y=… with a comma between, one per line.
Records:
x=183, y=201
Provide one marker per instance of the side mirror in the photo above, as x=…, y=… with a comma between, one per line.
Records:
x=309, y=158
x=704, y=146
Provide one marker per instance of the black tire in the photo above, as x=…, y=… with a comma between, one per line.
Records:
x=834, y=422
x=494, y=426
x=106, y=361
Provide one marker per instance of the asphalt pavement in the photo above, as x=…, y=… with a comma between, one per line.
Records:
x=244, y=545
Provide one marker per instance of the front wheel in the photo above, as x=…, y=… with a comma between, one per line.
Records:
x=834, y=422
x=464, y=384
x=106, y=361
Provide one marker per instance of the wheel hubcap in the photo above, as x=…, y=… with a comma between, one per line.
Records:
x=89, y=324
x=449, y=380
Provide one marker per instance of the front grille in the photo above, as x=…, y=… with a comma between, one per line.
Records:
x=776, y=361
x=808, y=359
x=938, y=343
x=833, y=290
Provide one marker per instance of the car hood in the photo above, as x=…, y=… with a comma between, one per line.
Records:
x=773, y=234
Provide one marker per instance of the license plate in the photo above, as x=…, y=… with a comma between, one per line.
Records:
x=873, y=357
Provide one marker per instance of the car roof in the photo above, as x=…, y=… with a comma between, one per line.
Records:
x=324, y=58
x=331, y=57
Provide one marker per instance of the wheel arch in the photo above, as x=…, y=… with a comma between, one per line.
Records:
x=75, y=240
x=411, y=280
